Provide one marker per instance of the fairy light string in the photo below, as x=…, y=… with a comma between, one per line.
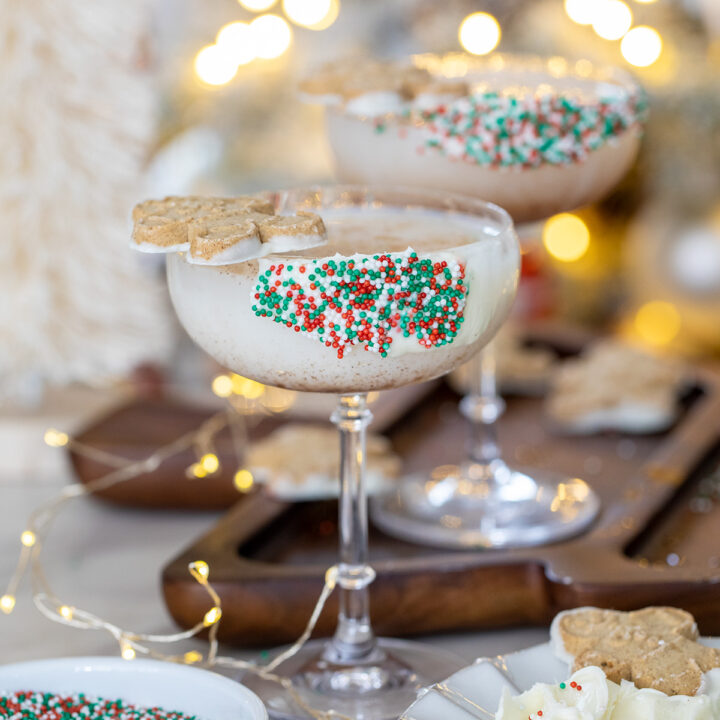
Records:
x=132, y=643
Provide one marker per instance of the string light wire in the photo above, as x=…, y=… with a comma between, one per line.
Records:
x=133, y=643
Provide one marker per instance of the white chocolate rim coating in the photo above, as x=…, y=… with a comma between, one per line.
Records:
x=253, y=248
x=551, y=73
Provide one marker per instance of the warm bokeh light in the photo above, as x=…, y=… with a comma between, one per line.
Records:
x=28, y=538
x=612, y=19
x=272, y=35
x=212, y=616
x=257, y=5
x=192, y=656
x=200, y=570
x=214, y=66
x=243, y=480
x=278, y=400
x=479, y=33
x=249, y=389
x=210, y=463
x=237, y=41
x=55, y=438
x=645, y=2
x=7, y=604
x=641, y=46
x=312, y=14
x=196, y=470
x=566, y=237
x=657, y=322
x=581, y=12
x=222, y=386
x=127, y=652
x=66, y=612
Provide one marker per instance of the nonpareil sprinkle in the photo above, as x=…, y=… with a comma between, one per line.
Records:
x=368, y=300
x=501, y=131
x=34, y=705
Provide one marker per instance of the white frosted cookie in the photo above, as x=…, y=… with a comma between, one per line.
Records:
x=613, y=386
x=373, y=88
x=222, y=231
x=520, y=369
x=655, y=647
x=300, y=461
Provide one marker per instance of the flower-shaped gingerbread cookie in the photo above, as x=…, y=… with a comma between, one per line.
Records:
x=655, y=647
x=288, y=463
x=614, y=386
x=372, y=87
x=222, y=231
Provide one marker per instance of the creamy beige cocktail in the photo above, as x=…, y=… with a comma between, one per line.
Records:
x=398, y=295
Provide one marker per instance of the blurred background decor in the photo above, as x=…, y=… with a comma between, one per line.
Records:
x=77, y=128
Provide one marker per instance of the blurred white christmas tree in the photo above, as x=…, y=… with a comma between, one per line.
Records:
x=75, y=132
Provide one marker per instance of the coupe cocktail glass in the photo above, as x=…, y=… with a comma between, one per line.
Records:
x=407, y=315
x=589, y=118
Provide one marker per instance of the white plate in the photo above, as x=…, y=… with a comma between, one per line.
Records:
x=474, y=692
x=146, y=683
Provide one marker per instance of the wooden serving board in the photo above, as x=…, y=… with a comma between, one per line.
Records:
x=134, y=431
x=657, y=540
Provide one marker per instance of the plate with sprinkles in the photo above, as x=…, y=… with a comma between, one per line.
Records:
x=98, y=688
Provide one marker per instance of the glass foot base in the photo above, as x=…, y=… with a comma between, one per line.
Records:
x=476, y=506
x=380, y=688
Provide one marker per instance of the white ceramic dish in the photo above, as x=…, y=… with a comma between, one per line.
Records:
x=474, y=692
x=145, y=683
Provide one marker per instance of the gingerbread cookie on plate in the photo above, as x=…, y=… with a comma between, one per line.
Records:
x=656, y=647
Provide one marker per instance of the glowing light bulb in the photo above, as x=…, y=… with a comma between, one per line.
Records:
x=222, y=386
x=66, y=612
x=199, y=569
x=127, y=651
x=28, y=538
x=192, y=656
x=243, y=480
x=196, y=470
x=210, y=463
x=641, y=46
x=479, y=33
x=7, y=604
x=612, y=19
x=247, y=388
x=257, y=5
x=236, y=39
x=657, y=322
x=312, y=14
x=55, y=438
x=215, y=66
x=581, y=12
x=272, y=36
x=566, y=237
x=212, y=616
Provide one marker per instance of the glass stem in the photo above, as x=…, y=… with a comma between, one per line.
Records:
x=353, y=640
x=483, y=407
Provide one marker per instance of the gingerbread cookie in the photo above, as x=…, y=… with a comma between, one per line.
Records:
x=373, y=88
x=614, y=386
x=222, y=231
x=655, y=647
x=519, y=369
x=301, y=462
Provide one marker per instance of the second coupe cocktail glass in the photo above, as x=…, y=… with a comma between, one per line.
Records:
x=535, y=135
